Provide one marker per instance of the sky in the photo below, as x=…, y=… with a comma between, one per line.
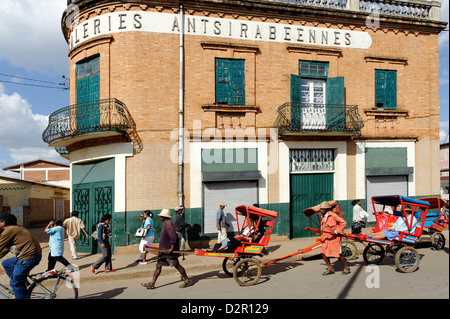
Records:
x=32, y=46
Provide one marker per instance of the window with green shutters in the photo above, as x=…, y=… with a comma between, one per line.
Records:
x=386, y=89
x=317, y=101
x=88, y=95
x=230, y=81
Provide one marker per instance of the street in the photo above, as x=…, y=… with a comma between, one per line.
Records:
x=295, y=278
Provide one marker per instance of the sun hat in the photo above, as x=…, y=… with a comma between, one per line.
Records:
x=325, y=205
x=165, y=213
x=222, y=204
x=408, y=208
x=179, y=208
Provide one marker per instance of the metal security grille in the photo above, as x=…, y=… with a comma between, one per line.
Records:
x=81, y=205
x=103, y=201
x=310, y=160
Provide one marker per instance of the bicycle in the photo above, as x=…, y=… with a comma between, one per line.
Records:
x=58, y=285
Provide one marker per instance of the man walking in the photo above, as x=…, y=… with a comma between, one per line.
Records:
x=166, y=256
x=74, y=226
x=180, y=225
x=221, y=224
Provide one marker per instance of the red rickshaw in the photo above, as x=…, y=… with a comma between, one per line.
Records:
x=407, y=258
x=241, y=263
x=348, y=247
x=436, y=221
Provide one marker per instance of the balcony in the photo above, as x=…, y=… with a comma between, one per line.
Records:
x=94, y=119
x=296, y=118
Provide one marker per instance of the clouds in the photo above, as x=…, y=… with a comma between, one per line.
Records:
x=21, y=129
x=31, y=36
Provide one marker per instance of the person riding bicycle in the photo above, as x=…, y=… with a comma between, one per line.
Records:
x=29, y=254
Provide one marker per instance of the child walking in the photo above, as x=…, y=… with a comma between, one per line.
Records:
x=56, y=245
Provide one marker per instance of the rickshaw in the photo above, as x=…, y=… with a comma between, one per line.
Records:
x=348, y=247
x=435, y=221
x=242, y=263
x=407, y=258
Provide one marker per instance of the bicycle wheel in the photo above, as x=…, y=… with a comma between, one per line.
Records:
x=373, y=254
x=438, y=241
x=55, y=287
x=247, y=272
x=407, y=259
x=228, y=265
x=348, y=249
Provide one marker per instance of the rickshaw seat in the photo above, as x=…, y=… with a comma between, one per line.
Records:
x=264, y=240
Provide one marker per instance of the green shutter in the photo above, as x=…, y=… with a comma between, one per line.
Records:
x=386, y=89
x=336, y=91
x=335, y=104
x=296, y=99
x=88, y=91
x=230, y=81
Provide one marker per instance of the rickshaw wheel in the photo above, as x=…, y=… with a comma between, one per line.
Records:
x=373, y=254
x=228, y=265
x=407, y=259
x=348, y=249
x=247, y=272
x=438, y=241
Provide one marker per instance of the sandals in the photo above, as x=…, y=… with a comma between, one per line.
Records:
x=148, y=285
x=328, y=272
x=346, y=271
x=186, y=284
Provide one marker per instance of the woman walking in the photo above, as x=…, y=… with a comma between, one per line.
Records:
x=149, y=236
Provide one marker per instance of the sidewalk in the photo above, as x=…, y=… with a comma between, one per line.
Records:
x=126, y=267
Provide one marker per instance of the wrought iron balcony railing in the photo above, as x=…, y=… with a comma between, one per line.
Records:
x=99, y=116
x=320, y=118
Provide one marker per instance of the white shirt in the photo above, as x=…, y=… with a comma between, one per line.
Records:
x=359, y=213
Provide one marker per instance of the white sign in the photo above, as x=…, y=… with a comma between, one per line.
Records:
x=128, y=21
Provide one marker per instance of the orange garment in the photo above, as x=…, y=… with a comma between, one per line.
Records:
x=331, y=244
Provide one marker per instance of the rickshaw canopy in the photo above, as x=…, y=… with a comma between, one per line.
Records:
x=394, y=200
x=435, y=202
x=313, y=210
x=245, y=209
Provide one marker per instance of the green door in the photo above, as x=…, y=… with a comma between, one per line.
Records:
x=92, y=201
x=88, y=95
x=307, y=190
x=92, y=197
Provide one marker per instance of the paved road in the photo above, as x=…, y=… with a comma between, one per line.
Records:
x=295, y=279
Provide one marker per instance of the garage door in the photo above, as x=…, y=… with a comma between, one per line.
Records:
x=384, y=185
x=233, y=194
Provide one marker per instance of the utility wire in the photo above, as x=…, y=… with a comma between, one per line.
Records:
x=36, y=85
x=19, y=77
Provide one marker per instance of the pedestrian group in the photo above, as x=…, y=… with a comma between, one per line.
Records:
x=28, y=253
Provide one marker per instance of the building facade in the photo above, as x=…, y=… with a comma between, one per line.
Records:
x=33, y=203
x=283, y=103
x=42, y=171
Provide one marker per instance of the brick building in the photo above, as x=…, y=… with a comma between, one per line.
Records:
x=284, y=103
x=42, y=171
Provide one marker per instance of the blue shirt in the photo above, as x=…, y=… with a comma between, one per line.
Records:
x=147, y=222
x=56, y=241
x=221, y=217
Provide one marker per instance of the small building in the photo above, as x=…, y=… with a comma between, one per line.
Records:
x=42, y=171
x=33, y=203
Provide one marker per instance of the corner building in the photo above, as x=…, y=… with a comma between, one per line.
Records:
x=284, y=103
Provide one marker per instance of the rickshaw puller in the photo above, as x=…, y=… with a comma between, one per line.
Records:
x=331, y=226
